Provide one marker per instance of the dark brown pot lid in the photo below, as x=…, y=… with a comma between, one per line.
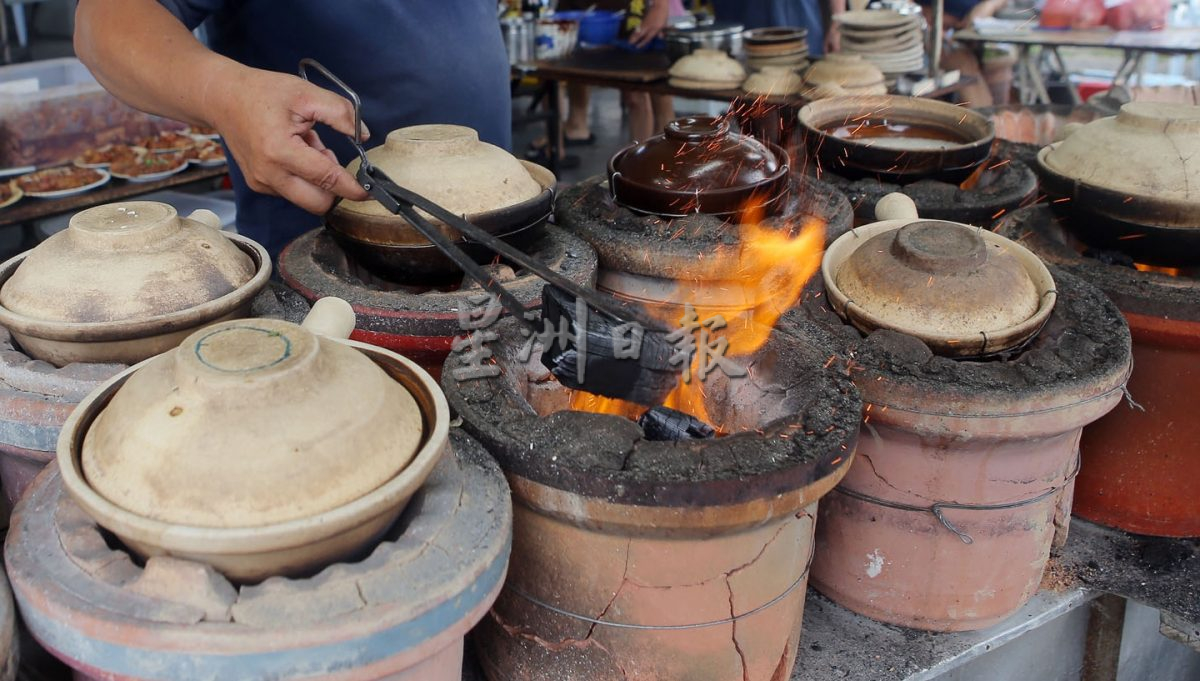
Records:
x=698, y=166
x=963, y=290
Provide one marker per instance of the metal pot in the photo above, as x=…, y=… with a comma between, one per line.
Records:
x=682, y=41
x=520, y=34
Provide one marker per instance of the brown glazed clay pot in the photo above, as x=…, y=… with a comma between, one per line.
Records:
x=698, y=166
x=964, y=476
x=639, y=560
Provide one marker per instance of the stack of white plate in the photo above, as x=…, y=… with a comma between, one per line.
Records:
x=892, y=41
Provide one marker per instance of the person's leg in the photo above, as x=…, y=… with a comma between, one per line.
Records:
x=976, y=94
x=578, y=100
x=641, y=114
x=664, y=111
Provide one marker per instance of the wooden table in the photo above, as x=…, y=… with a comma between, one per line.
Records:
x=28, y=209
x=1134, y=44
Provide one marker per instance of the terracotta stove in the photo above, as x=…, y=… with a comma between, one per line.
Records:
x=641, y=560
x=421, y=322
x=1139, y=461
x=399, y=613
x=36, y=397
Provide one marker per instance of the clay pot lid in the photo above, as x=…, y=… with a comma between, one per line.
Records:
x=449, y=165
x=848, y=71
x=698, y=165
x=961, y=289
x=250, y=423
x=774, y=81
x=127, y=262
x=707, y=65
x=1148, y=150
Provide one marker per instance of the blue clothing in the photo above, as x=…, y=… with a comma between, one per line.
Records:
x=411, y=62
x=958, y=9
x=765, y=13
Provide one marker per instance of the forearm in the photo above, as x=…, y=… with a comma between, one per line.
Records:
x=146, y=57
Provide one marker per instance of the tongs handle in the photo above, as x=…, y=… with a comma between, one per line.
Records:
x=308, y=62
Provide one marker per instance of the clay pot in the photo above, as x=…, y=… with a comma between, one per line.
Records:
x=398, y=615
x=698, y=166
x=964, y=291
x=449, y=165
x=1129, y=182
x=8, y=632
x=182, y=455
x=774, y=81
x=127, y=281
x=843, y=75
x=707, y=69
x=902, y=139
x=947, y=517
x=644, y=560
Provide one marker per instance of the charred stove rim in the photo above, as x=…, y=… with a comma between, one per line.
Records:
x=628, y=251
x=1145, y=293
x=520, y=456
x=951, y=380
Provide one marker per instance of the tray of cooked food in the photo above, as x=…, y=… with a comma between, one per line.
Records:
x=102, y=157
x=149, y=167
x=10, y=193
x=61, y=181
x=207, y=153
x=167, y=142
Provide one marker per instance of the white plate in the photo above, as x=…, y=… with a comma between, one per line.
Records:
x=16, y=196
x=874, y=19
x=154, y=177
x=62, y=193
x=208, y=164
x=79, y=164
x=201, y=136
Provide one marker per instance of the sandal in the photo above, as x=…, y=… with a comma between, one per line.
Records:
x=581, y=141
x=541, y=156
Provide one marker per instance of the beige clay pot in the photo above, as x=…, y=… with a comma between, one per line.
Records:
x=261, y=447
x=779, y=81
x=962, y=290
x=705, y=68
x=843, y=75
x=127, y=281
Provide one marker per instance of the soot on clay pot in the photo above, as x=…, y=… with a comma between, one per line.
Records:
x=947, y=517
x=656, y=560
x=399, y=611
x=1138, y=461
x=422, y=322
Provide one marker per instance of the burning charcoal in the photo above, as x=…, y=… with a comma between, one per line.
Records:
x=623, y=362
x=664, y=423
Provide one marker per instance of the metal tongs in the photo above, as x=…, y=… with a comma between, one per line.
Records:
x=599, y=348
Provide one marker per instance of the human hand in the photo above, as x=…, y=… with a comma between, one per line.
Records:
x=652, y=24
x=833, y=38
x=267, y=118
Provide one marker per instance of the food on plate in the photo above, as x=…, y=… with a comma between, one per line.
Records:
x=203, y=131
x=149, y=164
x=209, y=151
x=6, y=192
x=58, y=179
x=106, y=154
x=167, y=142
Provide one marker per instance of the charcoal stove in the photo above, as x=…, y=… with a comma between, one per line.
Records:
x=946, y=520
x=1001, y=185
x=664, y=262
x=1139, y=460
x=639, y=559
x=420, y=322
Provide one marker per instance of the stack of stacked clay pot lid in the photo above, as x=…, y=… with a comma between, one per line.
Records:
x=127, y=281
x=774, y=81
x=1131, y=183
x=698, y=165
x=785, y=46
x=707, y=69
x=891, y=41
x=962, y=290
x=840, y=75
x=449, y=165
x=258, y=446
x=896, y=139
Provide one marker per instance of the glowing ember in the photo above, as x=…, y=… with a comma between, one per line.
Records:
x=765, y=280
x=1169, y=271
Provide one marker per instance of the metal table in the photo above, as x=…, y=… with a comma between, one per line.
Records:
x=1134, y=44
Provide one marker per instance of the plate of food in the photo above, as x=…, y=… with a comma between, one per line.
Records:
x=61, y=181
x=207, y=153
x=102, y=157
x=10, y=193
x=167, y=143
x=203, y=132
x=150, y=167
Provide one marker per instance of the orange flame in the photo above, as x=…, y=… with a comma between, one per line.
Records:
x=1169, y=271
x=768, y=274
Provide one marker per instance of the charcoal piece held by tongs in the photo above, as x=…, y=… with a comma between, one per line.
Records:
x=609, y=370
x=667, y=424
